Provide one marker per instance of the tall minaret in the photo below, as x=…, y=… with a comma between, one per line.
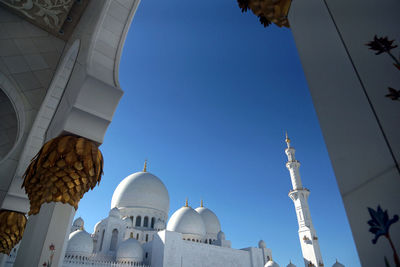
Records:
x=299, y=195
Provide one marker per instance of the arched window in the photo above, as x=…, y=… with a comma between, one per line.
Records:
x=138, y=221
x=147, y=237
x=193, y=239
x=209, y=241
x=114, y=240
x=146, y=222
x=137, y=236
x=153, y=220
x=101, y=240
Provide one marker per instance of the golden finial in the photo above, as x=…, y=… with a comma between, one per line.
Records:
x=287, y=140
x=186, y=203
x=145, y=166
x=201, y=204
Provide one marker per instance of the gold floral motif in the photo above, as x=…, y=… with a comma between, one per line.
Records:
x=63, y=171
x=12, y=226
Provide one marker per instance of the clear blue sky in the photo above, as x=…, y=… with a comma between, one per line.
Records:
x=209, y=93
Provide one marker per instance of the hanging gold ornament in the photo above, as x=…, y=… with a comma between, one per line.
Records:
x=63, y=171
x=268, y=11
x=12, y=226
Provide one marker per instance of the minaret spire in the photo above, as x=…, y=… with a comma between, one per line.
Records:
x=145, y=166
x=299, y=195
x=287, y=140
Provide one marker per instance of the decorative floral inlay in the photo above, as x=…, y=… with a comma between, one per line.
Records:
x=379, y=226
x=49, y=262
x=384, y=45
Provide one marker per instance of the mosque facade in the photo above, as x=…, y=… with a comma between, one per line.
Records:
x=137, y=231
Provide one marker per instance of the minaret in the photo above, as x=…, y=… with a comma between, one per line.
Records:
x=299, y=195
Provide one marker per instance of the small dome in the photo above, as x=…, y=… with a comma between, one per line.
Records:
x=141, y=190
x=337, y=264
x=261, y=244
x=210, y=220
x=271, y=263
x=187, y=221
x=80, y=242
x=130, y=250
x=221, y=235
x=114, y=212
x=291, y=264
x=79, y=223
x=97, y=226
x=159, y=225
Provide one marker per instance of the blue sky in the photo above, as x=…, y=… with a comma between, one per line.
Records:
x=209, y=93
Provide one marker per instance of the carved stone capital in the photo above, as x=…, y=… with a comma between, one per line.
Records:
x=12, y=226
x=63, y=171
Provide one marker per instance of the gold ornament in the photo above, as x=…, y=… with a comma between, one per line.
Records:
x=63, y=171
x=268, y=11
x=12, y=226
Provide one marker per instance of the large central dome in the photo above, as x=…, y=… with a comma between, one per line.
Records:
x=141, y=190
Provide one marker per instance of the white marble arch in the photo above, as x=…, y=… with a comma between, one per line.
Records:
x=9, y=162
x=15, y=97
x=37, y=133
x=86, y=109
x=93, y=92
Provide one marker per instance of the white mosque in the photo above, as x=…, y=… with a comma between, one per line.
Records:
x=137, y=232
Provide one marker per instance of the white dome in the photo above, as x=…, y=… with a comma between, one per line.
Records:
x=337, y=264
x=187, y=221
x=261, y=244
x=130, y=250
x=114, y=212
x=142, y=190
x=210, y=220
x=80, y=242
x=79, y=223
x=271, y=263
x=291, y=264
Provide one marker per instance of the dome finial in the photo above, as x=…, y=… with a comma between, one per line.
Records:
x=201, y=203
x=287, y=140
x=186, y=203
x=145, y=166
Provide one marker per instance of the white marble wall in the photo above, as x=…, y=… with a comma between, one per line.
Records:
x=169, y=249
x=348, y=84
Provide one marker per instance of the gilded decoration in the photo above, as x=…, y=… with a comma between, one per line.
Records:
x=63, y=171
x=12, y=226
x=268, y=11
